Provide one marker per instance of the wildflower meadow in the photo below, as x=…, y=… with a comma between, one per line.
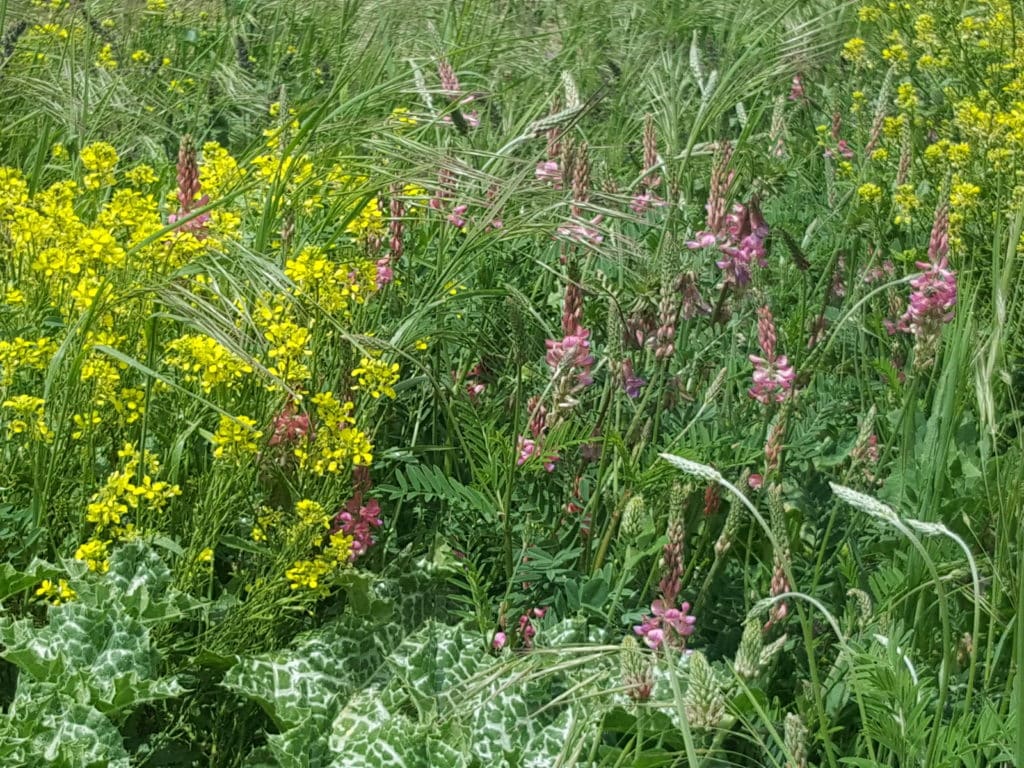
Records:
x=511, y=383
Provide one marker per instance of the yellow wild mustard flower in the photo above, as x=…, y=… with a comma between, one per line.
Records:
x=99, y=159
x=236, y=439
x=853, y=50
x=56, y=593
x=869, y=193
x=141, y=175
x=205, y=361
x=376, y=377
x=20, y=354
x=95, y=553
x=105, y=58
x=28, y=418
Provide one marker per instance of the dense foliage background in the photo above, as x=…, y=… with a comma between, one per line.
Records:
x=511, y=383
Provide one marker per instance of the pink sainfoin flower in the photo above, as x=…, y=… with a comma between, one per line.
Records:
x=796, y=91
x=631, y=383
x=934, y=289
x=385, y=274
x=457, y=217
x=499, y=640
x=572, y=354
x=667, y=626
x=188, y=191
x=359, y=521
x=645, y=199
x=721, y=182
x=445, y=192
x=450, y=87
x=475, y=383
x=773, y=375
x=549, y=172
x=528, y=448
x=874, y=274
x=290, y=427
x=584, y=233
x=740, y=235
x=743, y=243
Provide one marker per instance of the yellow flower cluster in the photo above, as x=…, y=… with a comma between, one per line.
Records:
x=55, y=594
x=236, y=439
x=130, y=489
x=310, y=573
x=99, y=160
x=27, y=418
x=376, y=377
x=207, y=362
x=334, y=287
x=20, y=354
x=90, y=255
x=338, y=444
x=976, y=117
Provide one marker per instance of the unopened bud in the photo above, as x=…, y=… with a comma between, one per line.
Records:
x=703, y=700
x=633, y=518
x=636, y=670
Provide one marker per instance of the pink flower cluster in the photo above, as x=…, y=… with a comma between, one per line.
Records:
x=773, y=375
x=359, y=521
x=528, y=448
x=549, y=172
x=583, y=232
x=667, y=626
x=525, y=629
x=645, y=198
x=934, y=289
x=450, y=87
x=188, y=192
x=572, y=354
x=740, y=240
x=290, y=427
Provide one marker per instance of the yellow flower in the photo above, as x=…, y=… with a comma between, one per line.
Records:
x=29, y=418
x=870, y=193
x=400, y=116
x=869, y=13
x=307, y=573
x=853, y=50
x=99, y=158
x=906, y=97
x=206, y=556
x=963, y=194
x=236, y=439
x=312, y=513
x=95, y=553
x=141, y=175
x=105, y=58
x=376, y=377
x=206, y=361
x=56, y=593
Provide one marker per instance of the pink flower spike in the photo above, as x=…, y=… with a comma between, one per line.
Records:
x=500, y=638
x=456, y=217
